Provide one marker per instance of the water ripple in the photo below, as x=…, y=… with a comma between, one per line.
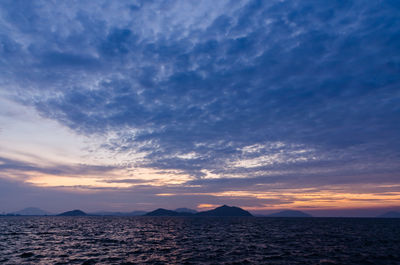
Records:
x=180, y=240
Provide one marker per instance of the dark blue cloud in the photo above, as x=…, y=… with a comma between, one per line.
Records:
x=8, y=166
x=316, y=76
x=68, y=60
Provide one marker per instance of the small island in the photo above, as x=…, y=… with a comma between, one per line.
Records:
x=73, y=213
x=217, y=212
x=289, y=213
x=391, y=214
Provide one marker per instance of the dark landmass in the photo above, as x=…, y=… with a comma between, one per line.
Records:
x=134, y=213
x=34, y=211
x=289, y=213
x=164, y=212
x=185, y=210
x=220, y=211
x=225, y=211
x=73, y=213
x=31, y=211
x=390, y=215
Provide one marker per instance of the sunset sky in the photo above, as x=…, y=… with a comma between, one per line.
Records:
x=136, y=105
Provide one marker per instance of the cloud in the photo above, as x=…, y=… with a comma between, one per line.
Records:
x=8, y=167
x=304, y=87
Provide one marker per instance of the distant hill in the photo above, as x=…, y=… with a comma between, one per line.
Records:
x=185, y=210
x=164, y=212
x=290, y=213
x=225, y=211
x=133, y=213
x=390, y=215
x=136, y=213
x=31, y=211
x=220, y=211
x=73, y=213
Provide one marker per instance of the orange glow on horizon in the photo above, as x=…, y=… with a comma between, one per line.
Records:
x=332, y=197
x=206, y=206
x=313, y=200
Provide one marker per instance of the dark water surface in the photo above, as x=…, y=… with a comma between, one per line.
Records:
x=180, y=240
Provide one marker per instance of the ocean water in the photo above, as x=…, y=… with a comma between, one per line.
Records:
x=185, y=240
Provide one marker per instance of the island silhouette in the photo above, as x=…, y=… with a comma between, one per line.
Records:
x=289, y=213
x=73, y=213
x=391, y=214
x=221, y=211
x=224, y=210
x=31, y=211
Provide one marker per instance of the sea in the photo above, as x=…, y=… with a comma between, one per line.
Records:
x=208, y=240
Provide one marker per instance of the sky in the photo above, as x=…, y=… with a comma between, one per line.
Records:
x=136, y=105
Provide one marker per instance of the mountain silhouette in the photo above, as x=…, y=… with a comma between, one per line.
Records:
x=390, y=215
x=289, y=213
x=164, y=212
x=31, y=211
x=225, y=211
x=105, y=213
x=73, y=213
x=185, y=210
x=220, y=211
x=135, y=213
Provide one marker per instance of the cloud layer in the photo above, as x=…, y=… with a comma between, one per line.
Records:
x=233, y=94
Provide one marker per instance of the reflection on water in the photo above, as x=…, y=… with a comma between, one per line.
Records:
x=177, y=240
